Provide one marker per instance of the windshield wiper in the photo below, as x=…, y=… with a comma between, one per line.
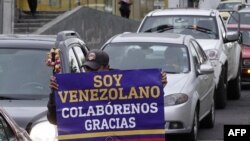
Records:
x=205, y=30
x=160, y=28
x=201, y=29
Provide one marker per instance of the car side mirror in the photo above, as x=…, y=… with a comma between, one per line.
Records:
x=231, y=37
x=205, y=69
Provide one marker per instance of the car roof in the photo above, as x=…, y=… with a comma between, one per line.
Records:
x=150, y=37
x=27, y=41
x=188, y=11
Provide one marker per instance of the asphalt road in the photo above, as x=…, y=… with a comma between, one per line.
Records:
x=236, y=112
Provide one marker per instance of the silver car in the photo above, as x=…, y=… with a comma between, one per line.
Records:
x=208, y=28
x=189, y=94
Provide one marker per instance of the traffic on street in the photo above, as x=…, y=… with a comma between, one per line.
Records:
x=236, y=113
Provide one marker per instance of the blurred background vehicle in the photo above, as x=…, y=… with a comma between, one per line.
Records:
x=228, y=5
x=232, y=25
x=189, y=94
x=220, y=45
x=9, y=130
x=24, y=83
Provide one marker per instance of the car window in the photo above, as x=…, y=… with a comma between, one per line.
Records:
x=79, y=55
x=197, y=60
x=74, y=66
x=3, y=136
x=6, y=133
x=245, y=33
x=244, y=18
x=200, y=27
x=227, y=6
x=221, y=24
x=201, y=54
x=245, y=23
x=24, y=73
x=148, y=55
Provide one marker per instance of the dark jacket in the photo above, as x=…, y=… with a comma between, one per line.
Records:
x=51, y=114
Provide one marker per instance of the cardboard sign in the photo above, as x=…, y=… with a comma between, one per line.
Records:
x=111, y=106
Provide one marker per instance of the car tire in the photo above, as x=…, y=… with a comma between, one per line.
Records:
x=234, y=87
x=193, y=135
x=209, y=120
x=221, y=91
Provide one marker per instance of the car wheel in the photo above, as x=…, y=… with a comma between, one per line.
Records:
x=221, y=91
x=208, y=121
x=234, y=87
x=194, y=133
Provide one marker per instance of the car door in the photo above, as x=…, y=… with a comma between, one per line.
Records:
x=229, y=47
x=206, y=80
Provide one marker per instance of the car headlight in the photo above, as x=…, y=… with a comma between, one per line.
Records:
x=212, y=54
x=246, y=62
x=175, y=99
x=44, y=131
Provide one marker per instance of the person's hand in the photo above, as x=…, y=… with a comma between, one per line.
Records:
x=164, y=78
x=53, y=84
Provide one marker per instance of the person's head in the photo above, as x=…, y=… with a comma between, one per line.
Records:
x=97, y=60
x=172, y=55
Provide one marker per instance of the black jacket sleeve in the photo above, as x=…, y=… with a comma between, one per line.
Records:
x=51, y=114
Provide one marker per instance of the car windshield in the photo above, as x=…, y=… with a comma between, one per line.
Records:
x=244, y=18
x=244, y=26
x=24, y=73
x=245, y=36
x=172, y=58
x=245, y=33
x=200, y=27
x=227, y=6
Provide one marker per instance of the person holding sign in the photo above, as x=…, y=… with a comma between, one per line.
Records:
x=97, y=60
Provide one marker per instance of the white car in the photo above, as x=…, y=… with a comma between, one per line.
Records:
x=189, y=94
x=220, y=46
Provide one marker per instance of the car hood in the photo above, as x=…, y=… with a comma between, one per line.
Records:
x=245, y=51
x=176, y=82
x=22, y=111
x=209, y=44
